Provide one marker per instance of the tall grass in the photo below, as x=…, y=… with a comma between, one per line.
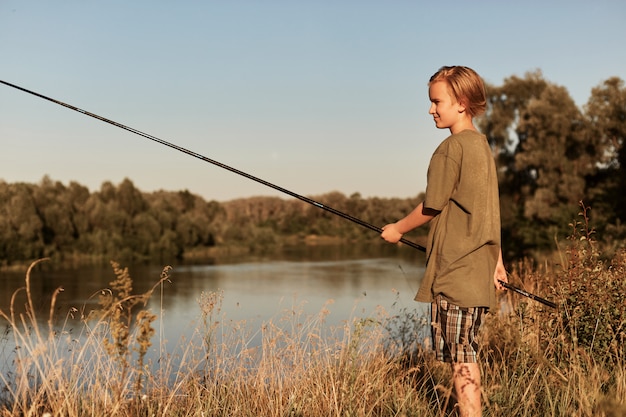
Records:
x=535, y=361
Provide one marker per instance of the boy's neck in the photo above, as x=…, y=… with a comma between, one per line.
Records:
x=463, y=126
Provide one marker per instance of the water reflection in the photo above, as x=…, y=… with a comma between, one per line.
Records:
x=257, y=290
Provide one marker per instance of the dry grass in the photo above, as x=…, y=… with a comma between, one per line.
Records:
x=535, y=360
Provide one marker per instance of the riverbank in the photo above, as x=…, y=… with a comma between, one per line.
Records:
x=534, y=360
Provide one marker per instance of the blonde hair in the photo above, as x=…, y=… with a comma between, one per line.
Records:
x=465, y=85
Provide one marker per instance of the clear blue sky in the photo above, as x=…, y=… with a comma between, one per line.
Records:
x=314, y=96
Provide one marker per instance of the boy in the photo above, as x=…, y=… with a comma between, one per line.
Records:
x=463, y=256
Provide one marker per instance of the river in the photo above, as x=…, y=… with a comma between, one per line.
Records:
x=347, y=283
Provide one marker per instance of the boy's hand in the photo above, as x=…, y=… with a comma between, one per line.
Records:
x=391, y=234
x=500, y=274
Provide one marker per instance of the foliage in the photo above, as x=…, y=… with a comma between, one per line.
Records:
x=594, y=295
x=117, y=310
x=70, y=223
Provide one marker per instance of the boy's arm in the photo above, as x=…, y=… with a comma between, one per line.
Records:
x=418, y=217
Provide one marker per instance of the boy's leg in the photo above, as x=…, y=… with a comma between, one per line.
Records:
x=466, y=377
x=454, y=338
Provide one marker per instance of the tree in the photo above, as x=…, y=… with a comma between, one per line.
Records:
x=130, y=199
x=57, y=206
x=553, y=156
x=605, y=113
x=20, y=224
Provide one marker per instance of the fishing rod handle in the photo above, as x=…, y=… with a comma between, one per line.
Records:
x=527, y=294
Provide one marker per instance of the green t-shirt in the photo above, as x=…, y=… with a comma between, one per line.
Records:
x=464, y=238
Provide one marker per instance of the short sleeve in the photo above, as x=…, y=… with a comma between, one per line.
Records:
x=443, y=175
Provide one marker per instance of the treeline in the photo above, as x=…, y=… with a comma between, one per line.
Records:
x=120, y=222
x=51, y=219
x=551, y=155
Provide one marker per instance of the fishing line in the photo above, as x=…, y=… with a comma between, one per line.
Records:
x=251, y=177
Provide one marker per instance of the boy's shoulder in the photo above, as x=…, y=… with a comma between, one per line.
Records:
x=455, y=145
x=456, y=139
x=464, y=134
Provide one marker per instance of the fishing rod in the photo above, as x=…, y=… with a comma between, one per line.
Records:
x=251, y=177
x=527, y=294
x=219, y=164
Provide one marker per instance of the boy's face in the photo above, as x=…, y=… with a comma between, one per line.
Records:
x=446, y=111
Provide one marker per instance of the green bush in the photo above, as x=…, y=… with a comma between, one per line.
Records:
x=593, y=294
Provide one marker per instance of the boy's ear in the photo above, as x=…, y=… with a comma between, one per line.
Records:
x=462, y=105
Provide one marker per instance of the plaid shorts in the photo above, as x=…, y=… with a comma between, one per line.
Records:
x=455, y=330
